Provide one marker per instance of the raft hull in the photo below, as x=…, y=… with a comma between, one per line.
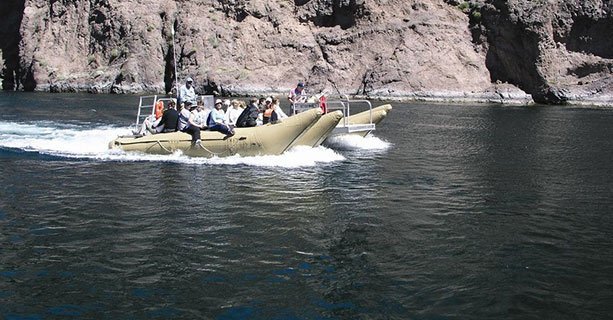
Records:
x=315, y=135
x=271, y=139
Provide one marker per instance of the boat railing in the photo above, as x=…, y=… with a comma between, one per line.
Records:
x=146, y=107
x=345, y=105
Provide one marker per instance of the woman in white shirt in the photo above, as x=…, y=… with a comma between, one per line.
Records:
x=277, y=106
x=233, y=112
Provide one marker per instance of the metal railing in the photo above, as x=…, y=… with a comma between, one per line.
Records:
x=143, y=104
x=344, y=105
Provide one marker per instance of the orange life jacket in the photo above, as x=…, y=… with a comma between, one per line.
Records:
x=268, y=112
x=159, y=109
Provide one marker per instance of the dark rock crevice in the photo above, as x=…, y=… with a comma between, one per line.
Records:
x=11, y=14
x=332, y=13
x=513, y=51
x=169, y=57
x=235, y=10
x=591, y=36
x=101, y=31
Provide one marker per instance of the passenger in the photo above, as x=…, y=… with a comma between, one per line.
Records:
x=249, y=116
x=215, y=121
x=269, y=115
x=201, y=114
x=262, y=104
x=187, y=123
x=267, y=102
x=158, y=109
x=233, y=112
x=297, y=95
x=170, y=119
x=187, y=92
x=277, y=106
x=242, y=104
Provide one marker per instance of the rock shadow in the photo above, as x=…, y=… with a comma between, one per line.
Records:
x=591, y=36
x=11, y=14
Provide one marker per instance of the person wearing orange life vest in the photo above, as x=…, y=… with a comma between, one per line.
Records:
x=153, y=120
x=169, y=120
x=159, y=109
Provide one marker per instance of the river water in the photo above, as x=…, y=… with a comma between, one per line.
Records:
x=446, y=212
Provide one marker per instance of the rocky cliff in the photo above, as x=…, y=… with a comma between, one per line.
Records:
x=551, y=50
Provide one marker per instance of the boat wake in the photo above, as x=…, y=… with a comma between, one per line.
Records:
x=356, y=142
x=87, y=142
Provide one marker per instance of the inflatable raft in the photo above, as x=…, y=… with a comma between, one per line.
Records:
x=271, y=139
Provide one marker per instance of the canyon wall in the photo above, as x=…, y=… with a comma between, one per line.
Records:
x=552, y=51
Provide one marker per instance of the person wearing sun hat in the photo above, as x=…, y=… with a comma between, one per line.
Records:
x=187, y=123
x=187, y=92
x=216, y=120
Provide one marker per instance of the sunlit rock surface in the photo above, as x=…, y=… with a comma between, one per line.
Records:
x=495, y=50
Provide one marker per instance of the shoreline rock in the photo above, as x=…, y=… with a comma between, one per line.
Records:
x=507, y=95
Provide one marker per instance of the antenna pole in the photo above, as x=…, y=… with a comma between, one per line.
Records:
x=174, y=54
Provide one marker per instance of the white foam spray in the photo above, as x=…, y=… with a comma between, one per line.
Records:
x=357, y=142
x=81, y=141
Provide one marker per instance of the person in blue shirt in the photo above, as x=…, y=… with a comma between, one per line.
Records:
x=216, y=120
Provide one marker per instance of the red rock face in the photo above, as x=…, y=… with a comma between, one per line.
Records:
x=484, y=50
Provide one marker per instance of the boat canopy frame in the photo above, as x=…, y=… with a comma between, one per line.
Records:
x=344, y=104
